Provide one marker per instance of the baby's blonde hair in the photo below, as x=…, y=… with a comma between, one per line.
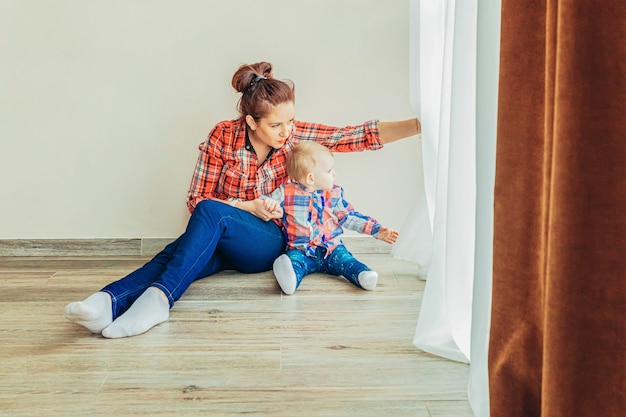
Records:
x=302, y=160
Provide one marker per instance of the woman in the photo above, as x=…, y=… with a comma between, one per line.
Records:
x=228, y=228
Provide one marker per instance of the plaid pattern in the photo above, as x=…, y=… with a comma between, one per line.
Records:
x=227, y=166
x=314, y=219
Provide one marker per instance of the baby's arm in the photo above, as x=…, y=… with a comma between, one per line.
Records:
x=353, y=220
x=387, y=235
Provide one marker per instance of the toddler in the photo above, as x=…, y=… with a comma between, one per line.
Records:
x=314, y=215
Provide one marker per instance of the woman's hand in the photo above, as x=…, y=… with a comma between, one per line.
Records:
x=387, y=235
x=265, y=208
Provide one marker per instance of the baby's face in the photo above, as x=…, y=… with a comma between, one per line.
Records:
x=324, y=171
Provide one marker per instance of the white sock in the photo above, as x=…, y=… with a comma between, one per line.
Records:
x=368, y=279
x=285, y=275
x=94, y=312
x=150, y=309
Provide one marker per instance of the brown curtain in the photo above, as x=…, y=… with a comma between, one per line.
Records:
x=558, y=332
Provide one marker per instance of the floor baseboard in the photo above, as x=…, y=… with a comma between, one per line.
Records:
x=136, y=246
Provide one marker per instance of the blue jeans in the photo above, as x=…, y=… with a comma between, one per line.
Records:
x=218, y=237
x=339, y=262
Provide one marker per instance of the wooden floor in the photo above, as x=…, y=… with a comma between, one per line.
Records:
x=233, y=346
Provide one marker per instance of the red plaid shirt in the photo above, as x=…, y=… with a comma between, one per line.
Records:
x=227, y=166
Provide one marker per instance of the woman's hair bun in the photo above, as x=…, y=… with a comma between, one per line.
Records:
x=247, y=73
x=260, y=91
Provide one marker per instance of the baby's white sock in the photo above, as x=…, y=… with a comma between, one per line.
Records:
x=150, y=309
x=368, y=279
x=94, y=312
x=285, y=275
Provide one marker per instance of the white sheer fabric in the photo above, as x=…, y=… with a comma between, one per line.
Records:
x=441, y=234
x=444, y=57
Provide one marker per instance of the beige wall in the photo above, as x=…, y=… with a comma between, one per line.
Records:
x=103, y=103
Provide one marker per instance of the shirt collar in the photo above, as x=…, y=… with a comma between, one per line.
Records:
x=250, y=148
x=306, y=190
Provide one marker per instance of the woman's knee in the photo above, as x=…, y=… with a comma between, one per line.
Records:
x=211, y=212
x=207, y=206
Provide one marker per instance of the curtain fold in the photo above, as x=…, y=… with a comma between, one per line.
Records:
x=443, y=60
x=558, y=331
x=487, y=54
x=458, y=124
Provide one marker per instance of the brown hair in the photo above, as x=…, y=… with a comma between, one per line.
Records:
x=301, y=160
x=260, y=91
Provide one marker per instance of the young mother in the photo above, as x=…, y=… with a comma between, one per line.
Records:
x=228, y=229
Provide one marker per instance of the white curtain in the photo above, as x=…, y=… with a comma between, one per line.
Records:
x=449, y=230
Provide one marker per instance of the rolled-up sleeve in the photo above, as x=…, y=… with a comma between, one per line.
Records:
x=341, y=139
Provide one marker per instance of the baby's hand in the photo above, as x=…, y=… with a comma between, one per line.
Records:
x=259, y=207
x=387, y=235
x=273, y=207
x=269, y=204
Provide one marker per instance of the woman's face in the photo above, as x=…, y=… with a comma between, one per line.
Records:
x=275, y=128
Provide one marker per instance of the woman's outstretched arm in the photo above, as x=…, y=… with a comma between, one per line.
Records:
x=393, y=131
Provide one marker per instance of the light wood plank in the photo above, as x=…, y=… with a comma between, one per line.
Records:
x=449, y=408
x=234, y=346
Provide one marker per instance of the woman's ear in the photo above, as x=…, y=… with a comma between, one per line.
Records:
x=251, y=122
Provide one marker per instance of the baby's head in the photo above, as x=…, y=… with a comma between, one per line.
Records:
x=312, y=165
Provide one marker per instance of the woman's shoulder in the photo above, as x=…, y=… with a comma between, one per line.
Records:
x=227, y=128
x=230, y=125
x=226, y=132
